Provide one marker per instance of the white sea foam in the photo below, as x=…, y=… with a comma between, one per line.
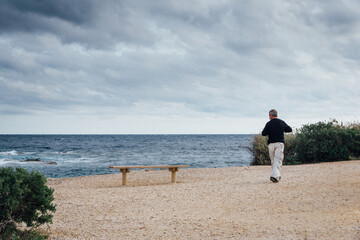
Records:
x=79, y=160
x=4, y=161
x=9, y=153
x=65, y=152
x=28, y=153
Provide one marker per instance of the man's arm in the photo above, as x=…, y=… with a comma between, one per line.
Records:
x=265, y=132
x=287, y=128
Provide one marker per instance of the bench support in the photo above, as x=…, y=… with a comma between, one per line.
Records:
x=124, y=172
x=173, y=174
x=172, y=168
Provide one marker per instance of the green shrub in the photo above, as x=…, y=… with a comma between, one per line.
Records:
x=23, y=235
x=259, y=150
x=351, y=138
x=326, y=142
x=290, y=150
x=24, y=198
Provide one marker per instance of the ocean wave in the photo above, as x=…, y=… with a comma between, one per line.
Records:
x=79, y=160
x=4, y=161
x=10, y=153
x=65, y=152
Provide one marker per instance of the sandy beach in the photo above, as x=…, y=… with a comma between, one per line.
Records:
x=319, y=201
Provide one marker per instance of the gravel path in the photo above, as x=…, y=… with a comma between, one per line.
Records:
x=319, y=201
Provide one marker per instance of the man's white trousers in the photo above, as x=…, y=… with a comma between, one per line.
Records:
x=276, y=152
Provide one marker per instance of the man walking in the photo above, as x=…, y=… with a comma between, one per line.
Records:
x=275, y=129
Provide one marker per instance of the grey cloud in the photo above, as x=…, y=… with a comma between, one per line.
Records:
x=339, y=15
x=331, y=17
x=213, y=57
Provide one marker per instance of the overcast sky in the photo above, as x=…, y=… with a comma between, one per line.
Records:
x=199, y=66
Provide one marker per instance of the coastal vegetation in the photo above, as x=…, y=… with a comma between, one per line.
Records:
x=313, y=143
x=24, y=199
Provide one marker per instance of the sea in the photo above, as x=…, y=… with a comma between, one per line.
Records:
x=59, y=156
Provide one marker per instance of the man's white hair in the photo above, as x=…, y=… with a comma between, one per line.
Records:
x=273, y=112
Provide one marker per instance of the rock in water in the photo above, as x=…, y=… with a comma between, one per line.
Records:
x=39, y=161
x=32, y=160
x=51, y=163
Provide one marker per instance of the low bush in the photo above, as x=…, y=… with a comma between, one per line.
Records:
x=290, y=150
x=24, y=198
x=259, y=150
x=352, y=139
x=326, y=142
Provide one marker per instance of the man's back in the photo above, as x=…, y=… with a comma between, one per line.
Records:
x=275, y=129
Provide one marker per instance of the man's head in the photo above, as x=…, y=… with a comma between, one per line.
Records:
x=273, y=114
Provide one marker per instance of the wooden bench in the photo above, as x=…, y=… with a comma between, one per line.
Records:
x=172, y=168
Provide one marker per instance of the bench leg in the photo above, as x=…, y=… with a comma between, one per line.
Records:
x=173, y=174
x=124, y=172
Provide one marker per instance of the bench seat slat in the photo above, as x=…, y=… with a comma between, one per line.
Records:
x=162, y=166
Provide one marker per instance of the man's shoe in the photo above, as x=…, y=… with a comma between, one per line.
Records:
x=275, y=180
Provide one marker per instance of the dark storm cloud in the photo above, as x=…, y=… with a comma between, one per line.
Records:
x=94, y=24
x=33, y=15
x=16, y=11
x=338, y=16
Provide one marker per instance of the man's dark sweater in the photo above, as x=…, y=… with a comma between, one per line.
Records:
x=275, y=129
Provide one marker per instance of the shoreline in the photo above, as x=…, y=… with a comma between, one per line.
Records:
x=312, y=201
x=195, y=168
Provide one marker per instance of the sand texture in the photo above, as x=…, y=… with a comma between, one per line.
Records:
x=319, y=201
